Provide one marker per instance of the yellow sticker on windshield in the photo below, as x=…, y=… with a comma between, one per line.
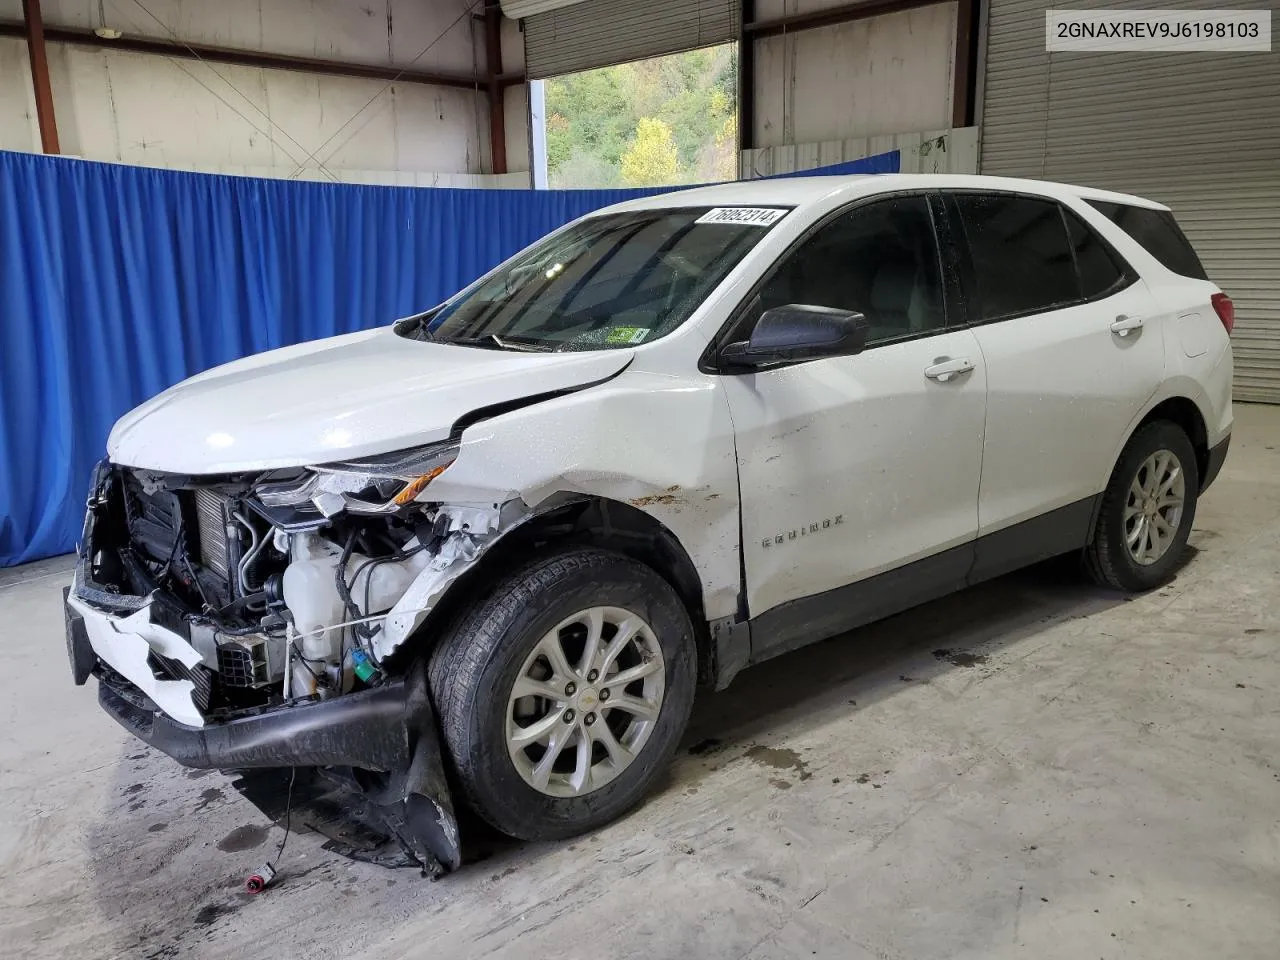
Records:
x=631, y=335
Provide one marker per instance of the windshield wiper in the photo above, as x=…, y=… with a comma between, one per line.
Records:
x=415, y=327
x=491, y=341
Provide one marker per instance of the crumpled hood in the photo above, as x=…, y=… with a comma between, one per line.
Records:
x=348, y=396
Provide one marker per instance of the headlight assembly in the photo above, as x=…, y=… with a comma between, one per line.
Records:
x=368, y=485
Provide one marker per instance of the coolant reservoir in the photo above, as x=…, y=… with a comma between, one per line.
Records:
x=311, y=594
x=311, y=591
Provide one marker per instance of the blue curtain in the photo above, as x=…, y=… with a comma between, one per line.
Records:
x=881, y=163
x=117, y=281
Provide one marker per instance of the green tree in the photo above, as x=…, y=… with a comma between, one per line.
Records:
x=651, y=159
x=584, y=171
x=559, y=141
x=718, y=160
x=593, y=117
x=699, y=93
x=597, y=116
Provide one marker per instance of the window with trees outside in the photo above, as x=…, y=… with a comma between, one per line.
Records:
x=662, y=122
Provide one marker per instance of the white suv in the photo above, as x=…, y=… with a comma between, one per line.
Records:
x=510, y=536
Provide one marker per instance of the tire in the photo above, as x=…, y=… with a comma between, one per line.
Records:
x=1109, y=558
x=474, y=668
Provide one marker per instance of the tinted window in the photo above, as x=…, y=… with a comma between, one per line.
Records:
x=880, y=260
x=1158, y=233
x=1022, y=259
x=1102, y=272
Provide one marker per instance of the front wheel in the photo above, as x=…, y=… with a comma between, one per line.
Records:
x=1147, y=510
x=564, y=692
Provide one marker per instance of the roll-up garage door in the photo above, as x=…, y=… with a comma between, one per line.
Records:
x=1197, y=131
x=597, y=33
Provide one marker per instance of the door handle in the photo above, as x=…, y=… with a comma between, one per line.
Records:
x=945, y=368
x=1124, y=324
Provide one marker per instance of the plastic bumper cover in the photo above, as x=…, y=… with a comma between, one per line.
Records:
x=1217, y=456
x=389, y=730
x=370, y=729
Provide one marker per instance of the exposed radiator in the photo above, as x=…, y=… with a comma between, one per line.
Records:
x=211, y=519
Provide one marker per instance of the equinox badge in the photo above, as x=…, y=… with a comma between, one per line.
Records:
x=816, y=527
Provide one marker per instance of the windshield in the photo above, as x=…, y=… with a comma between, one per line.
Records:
x=613, y=281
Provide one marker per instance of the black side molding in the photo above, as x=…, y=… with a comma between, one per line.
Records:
x=1048, y=535
x=807, y=620
x=801, y=622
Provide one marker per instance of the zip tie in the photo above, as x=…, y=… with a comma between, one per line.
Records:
x=351, y=623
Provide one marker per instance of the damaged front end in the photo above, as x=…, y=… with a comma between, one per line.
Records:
x=252, y=621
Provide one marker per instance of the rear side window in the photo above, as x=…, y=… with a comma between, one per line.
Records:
x=1021, y=254
x=1102, y=270
x=1158, y=233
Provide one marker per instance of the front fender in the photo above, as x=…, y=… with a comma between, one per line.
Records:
x=663, y=444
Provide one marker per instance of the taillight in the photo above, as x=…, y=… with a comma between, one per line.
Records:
x=1225, y=310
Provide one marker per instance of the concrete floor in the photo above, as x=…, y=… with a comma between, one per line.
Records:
x=1033, y=768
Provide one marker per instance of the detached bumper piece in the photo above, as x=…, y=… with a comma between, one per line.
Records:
x=386, y=735
x=79, y=649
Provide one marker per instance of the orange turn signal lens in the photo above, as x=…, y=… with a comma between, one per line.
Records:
x=416, y=486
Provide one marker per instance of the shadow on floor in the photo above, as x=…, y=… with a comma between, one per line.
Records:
x=170, y=828
x=858, y=668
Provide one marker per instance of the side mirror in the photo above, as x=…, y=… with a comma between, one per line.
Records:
x=799, y=332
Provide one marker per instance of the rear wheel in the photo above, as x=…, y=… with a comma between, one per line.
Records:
x=563, y=693
x=1147, y=510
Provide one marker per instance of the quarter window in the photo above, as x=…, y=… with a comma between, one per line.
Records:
x=1158, y=233
x=1021, y=254
x=880, y=260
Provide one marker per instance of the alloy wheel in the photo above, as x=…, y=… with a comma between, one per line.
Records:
x=1153, y=507
x=585, y=701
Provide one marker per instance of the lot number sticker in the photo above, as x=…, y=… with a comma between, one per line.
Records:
x=748, y=216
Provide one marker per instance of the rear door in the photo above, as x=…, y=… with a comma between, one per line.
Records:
x=1198, y=333
x=1071, y=340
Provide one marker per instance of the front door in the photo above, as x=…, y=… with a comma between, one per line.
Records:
x=853, y=466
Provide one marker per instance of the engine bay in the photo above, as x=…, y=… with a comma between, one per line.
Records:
x=282, y=601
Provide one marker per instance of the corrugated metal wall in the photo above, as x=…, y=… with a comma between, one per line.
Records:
x=933, y=151
x=886, y=74
x=598, y=33
x=156, y=111
x=1197, y=131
